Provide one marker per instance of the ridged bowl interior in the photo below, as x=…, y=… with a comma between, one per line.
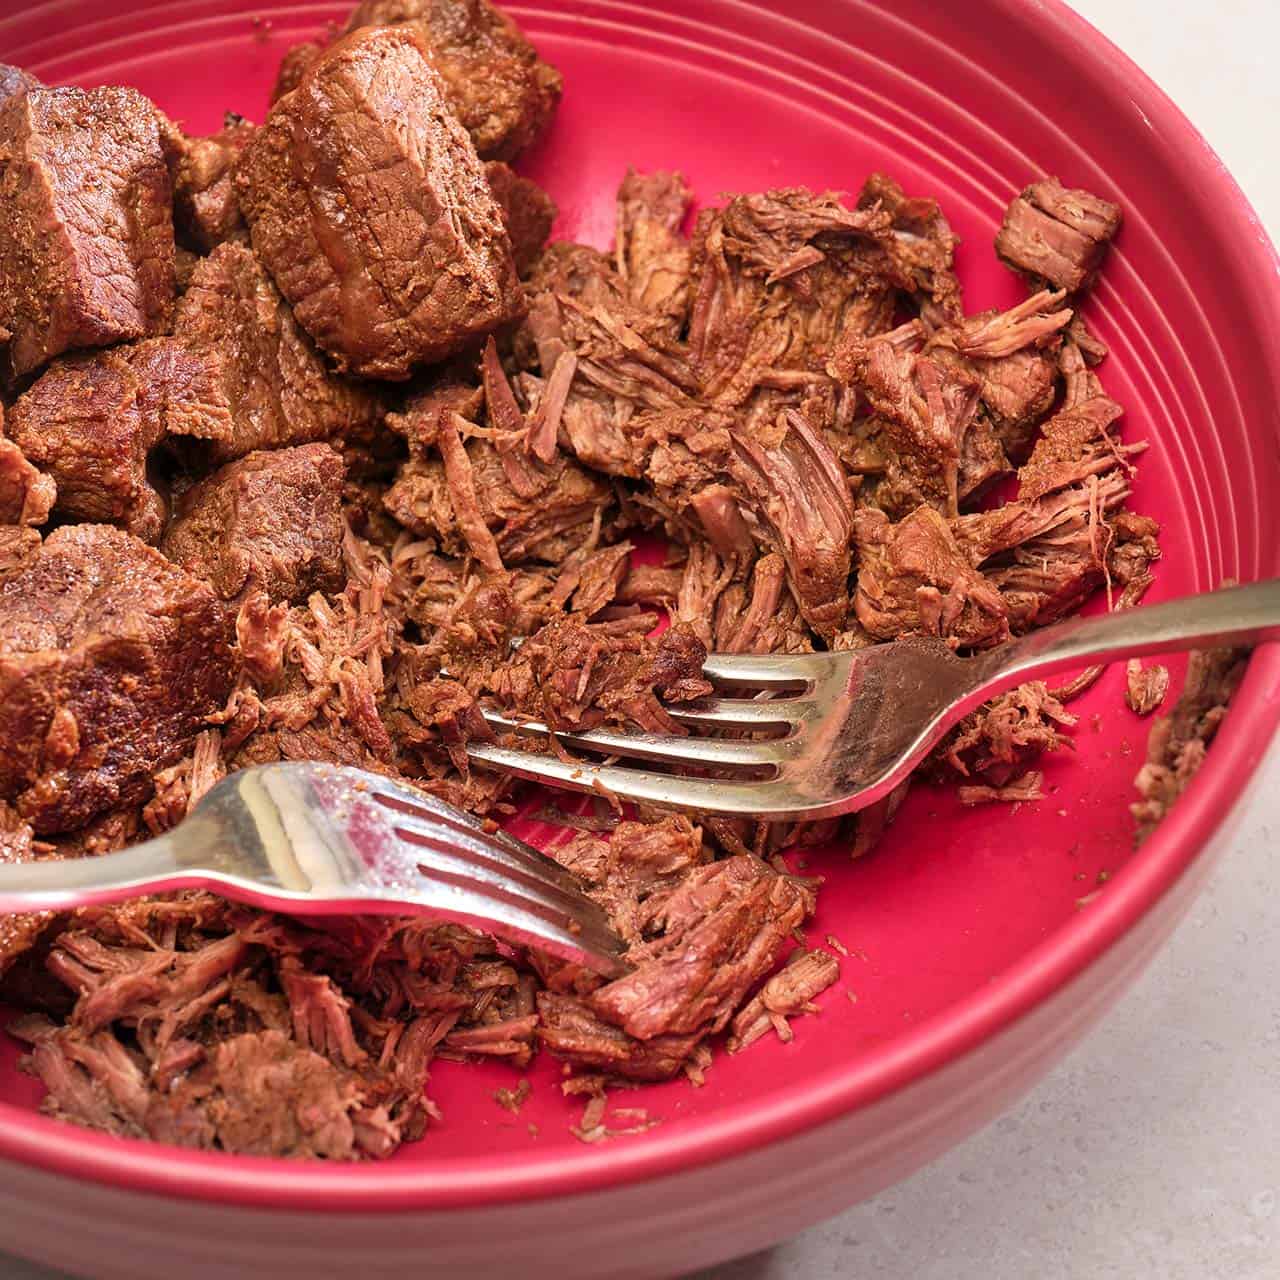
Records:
x=964, y=102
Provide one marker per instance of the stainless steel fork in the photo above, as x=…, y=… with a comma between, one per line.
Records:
x=316, y=839
x=849, y=727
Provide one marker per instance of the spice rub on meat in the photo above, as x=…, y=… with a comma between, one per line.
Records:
x=368, y=205
x=86, y=222
x=789, y=392
x=271, y=521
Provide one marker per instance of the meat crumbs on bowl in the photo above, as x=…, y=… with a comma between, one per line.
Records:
x=304, y=414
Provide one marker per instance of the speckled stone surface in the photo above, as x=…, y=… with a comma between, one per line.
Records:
x=1153, y=1153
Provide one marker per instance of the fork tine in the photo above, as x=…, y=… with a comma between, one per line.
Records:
x=584, y=938
x=766, y=671
x=649, y=746
x=739, y=713
x=421, y=815
x=718, y=796
x=462, y=853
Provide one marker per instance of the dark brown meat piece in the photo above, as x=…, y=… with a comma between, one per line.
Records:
x=93, y=420
x=270, y=522
x=922, y=409
x=205, y=210
x=1003, y=736
x=276, y=384
x=533, y=511
x=503, y=94
x=1145, y=687
x=572, y=674
x=572, y=1031
x=86, y=228
x=1057, y=235
x=26, y=494
x=779, y=279
x=798, y=486
x=527, y=212
x=653, y=258
x=17, y=544
x=20, y=932
x=13, y=81
x=919, y=249
x=297, y=61
x=913, y=577
x=1178, y=742
x=718, y=934
x=368, y=130
x=109, y=659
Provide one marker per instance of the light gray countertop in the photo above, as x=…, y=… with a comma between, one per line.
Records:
x=1153, y=1152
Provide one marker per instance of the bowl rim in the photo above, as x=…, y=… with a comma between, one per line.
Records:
x=478, y=1182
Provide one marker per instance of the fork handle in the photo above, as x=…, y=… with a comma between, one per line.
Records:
x=151, y=867
x=1233, y=616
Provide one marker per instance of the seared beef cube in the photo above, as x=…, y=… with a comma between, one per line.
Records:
x=496, y=85
x=1056, y=235
x=26, y=493
x=276, y=383
x=270, y=522
x=295, y=64
x=17, y=544
x=527, y=212
x=13, y=81
x=86, y=222
x=368, y=205
x=92, y=421
x=205, y=209
x=110, y=658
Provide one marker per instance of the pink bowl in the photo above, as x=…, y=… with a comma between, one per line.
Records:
x=973, y=967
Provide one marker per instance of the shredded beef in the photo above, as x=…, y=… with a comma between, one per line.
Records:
x=791, y=393
x=1178, y=742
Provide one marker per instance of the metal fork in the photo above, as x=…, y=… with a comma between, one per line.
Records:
x=849, y=727
x=317, y=839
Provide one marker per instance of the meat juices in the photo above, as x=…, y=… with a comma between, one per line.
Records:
x=271, y=521
x=86, y=222
x=110, y=658
x=368, y=205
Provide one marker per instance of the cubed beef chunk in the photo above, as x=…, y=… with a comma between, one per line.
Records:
x=527, y=212
x=13, y=81
x=86, y=222
x=26, y=493
x=92, y=420
x=205, y=210
x=18, y=542
x=495, y=83
x=367, y=203
x=110, y=657
x=1057, y=235
x=295, y=64
x=277, y=385
x=271, y=521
